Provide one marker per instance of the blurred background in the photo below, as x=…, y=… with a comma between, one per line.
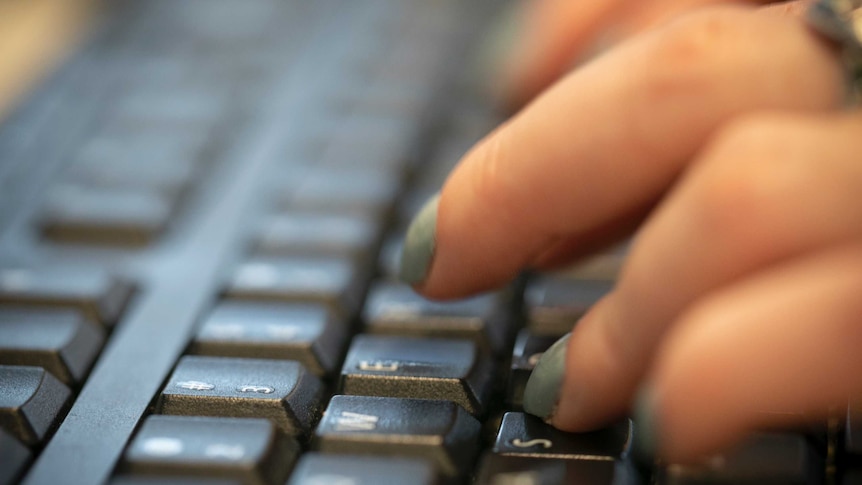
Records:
x=34, y=36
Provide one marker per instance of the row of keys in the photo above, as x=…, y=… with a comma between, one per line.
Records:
x=98, y=295
x=53, y=325
x=436, y=438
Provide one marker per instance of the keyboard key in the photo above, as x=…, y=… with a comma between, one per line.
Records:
x=526, y=354
x=32, y=401
x=117, y=217
x=307, y=333
x=438, y=431
x=165, y=176
x=138, y=480
x=395, y=309
x=419, y=368
x=554, y=303
x=345, y=190
x=334, y=281
x=62, y=341
x=308, y=234
x=282, y=391
x=512, y=470
x=528, y=436
x=15, y=456
x=322, y=469
x=765, y=458
x=98, y=295
x=249, y=450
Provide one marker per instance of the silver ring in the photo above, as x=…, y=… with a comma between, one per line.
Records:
x=841, y=22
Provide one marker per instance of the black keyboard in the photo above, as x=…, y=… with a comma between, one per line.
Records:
x=200, y=216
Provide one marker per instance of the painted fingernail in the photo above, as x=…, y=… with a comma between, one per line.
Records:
x=542, y=393
x=419, y=244
x=645, y=431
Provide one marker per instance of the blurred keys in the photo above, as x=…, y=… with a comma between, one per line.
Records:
x=308, y=333
x=321, y=469
x=62, y=341
x=248, y=450
x=282, y=391
x=168, y=177
x=766, y=458
x=510, y=470
x=120, y=217
x=333, y=281
x=418, y=368
x=344, y=190
x=395, y=309
x=97, y=294
x=297, y=234
x=32, y=401
x=555, y=303
x=438, y=431
x=528, y=436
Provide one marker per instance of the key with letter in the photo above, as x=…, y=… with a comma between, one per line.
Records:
x=438, y=431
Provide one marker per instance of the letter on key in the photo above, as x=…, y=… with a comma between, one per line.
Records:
x=438, y=431
x=378, y=365
x=282, y=391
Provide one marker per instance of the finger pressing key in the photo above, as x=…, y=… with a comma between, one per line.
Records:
x=598, y=149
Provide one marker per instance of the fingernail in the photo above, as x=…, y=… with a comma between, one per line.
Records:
x=419, y=244
x=542, y=393
x=645, y=430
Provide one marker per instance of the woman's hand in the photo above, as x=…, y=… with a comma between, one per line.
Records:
x=553, y=35
x=724, y=130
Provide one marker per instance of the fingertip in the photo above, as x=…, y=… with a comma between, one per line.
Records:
x=542, y=392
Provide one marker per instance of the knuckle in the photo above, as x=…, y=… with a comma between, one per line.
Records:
x=687, y=51
x=743, y=188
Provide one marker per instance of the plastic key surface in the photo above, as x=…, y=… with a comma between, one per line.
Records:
x=419, y=368
x=438, y=431
x=248, y=450
x=511, y=470
x=765, y=458
x=394, y=309
x=15, y=457
x=122, y=217
x=528, y=436
x=282, y=391
x=554, y=304
x=97, y=294
x=320, y=469
x=333, y=281
x=32, y=402
x=306, y=332
x=306, y=233
x=62, y=341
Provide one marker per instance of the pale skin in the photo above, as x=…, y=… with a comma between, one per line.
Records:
x=721, y=131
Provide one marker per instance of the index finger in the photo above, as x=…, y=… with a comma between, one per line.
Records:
x=607, y=141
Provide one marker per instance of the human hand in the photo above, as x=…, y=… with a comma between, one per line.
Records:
x=724, y=131
x=550, y=36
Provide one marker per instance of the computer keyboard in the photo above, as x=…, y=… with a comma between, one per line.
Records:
x=200, y=217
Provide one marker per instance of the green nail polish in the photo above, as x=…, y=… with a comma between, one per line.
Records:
x=419, y=244
x=542, y=392
x=645, y=431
